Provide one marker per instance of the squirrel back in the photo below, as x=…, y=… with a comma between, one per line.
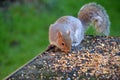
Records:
x=95, y=14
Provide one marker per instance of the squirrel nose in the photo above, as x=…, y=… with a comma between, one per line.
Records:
x=68, y=50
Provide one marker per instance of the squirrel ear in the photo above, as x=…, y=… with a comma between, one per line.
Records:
x=68, y=32
x=59, y=34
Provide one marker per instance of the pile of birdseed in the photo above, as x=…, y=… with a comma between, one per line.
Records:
x=98, y=57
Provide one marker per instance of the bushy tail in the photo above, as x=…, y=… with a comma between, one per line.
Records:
x=95, y=14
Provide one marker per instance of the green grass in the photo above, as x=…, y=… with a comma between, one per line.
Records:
x=24, y=29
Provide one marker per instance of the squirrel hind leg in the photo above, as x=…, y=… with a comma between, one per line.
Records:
x=76, y=48
x=75, y=45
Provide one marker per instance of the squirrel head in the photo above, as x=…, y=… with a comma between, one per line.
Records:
x=64, y=41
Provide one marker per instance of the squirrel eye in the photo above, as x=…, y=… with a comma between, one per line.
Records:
x=96, y=20
x=63, y=44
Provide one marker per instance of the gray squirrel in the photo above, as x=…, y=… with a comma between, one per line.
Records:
x=69, y=31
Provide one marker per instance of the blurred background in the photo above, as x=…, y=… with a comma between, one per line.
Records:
x=24, y=27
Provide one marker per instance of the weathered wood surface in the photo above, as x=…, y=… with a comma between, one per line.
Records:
x=98, y=57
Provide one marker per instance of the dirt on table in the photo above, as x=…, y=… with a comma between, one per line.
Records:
x=96, y=58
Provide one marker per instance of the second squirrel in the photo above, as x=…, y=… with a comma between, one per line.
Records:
x=69, y=31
